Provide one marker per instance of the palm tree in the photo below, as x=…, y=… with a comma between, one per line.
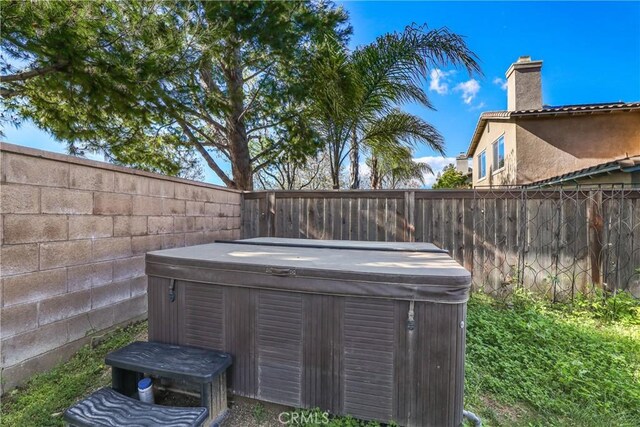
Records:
x=356, y=96
x=397, y=171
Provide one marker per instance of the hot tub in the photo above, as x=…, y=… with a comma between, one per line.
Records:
x=370, y=329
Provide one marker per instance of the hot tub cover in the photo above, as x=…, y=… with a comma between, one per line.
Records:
x=404, y=271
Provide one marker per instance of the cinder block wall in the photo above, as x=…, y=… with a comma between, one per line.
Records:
x=74, y=235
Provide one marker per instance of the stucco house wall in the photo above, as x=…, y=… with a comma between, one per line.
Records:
x=548, y=147
x=505, y=175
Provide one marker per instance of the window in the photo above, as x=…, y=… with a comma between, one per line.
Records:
x=498, y=154
x=482, y=165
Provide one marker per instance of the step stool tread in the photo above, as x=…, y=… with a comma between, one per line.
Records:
x=171, y=361
x=108, y=408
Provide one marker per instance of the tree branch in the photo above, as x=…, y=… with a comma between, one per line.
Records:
x=205, y=154
x=26, y=75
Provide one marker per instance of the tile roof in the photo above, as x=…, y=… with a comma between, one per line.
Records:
x=627, y=164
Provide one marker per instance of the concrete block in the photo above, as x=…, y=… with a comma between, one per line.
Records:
x=33, y=343
x=139, y=286
x=201, y=223
x=194, y=208
x=143, y=244
x=112, y=204
x=172, y=241
x=128, y=267
x=34, y=228
x=131, y=184
x=61, y=201
x=161, y=188
x=31, y=170
x=212, y=209
x=90, y=226
x=131, y=308
x=103, y=296
x=90, y=322
x=218, y=223
x=183, y=224
x=64, y=254
x=17, y=198
x=89, y=275
x=89, y=178
x=32, y=287
x=143, y=205
x=191, y=239
x=18, y=319
x=111, y=248
x=160, y=224
x=18, y=259
x=236, y=210
x=64, y=306
x=129, y=226
x=226, y=210
x=173, y=207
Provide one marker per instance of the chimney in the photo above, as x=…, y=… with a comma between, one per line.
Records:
x=462, y=163
x=524, y=87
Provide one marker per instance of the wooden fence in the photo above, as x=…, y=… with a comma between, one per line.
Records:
x=557, y=242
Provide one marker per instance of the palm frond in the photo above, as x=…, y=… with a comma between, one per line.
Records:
x=398, y=129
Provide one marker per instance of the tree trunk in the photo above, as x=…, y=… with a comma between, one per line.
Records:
x=355, y=161
x=375, y=176
x=238, y=141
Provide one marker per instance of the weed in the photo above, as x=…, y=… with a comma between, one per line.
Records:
x=259, y=413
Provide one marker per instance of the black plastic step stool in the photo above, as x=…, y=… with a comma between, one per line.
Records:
x=190, y=364
x=108, y=408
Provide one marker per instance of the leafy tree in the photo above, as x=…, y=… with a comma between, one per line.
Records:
x=128, y=77
x=356, y=96
x=451, y=178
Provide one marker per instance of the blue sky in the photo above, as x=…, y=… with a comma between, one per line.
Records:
x=591, y=53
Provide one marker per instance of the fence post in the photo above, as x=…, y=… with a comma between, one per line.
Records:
x=267, y=212
x=595, y=224
x=409, y=216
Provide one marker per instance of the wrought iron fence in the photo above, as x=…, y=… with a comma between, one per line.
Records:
x=558, y=243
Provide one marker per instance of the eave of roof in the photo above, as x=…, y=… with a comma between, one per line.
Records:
x=547, y=112
x=627, y=164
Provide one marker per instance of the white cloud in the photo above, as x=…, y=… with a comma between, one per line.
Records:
x=478, y=106
x=437, y=164
x=438, y=81
x=500, y=82
x=469, y=90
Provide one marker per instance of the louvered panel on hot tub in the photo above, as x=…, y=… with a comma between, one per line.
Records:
x=279, y=346
x=368, y=366
x=204, y=316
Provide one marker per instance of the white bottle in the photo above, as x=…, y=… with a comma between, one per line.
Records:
x=145, y=390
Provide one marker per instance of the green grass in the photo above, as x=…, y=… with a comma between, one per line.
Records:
x=535, y=364
x=530, y=364
x=44, y=398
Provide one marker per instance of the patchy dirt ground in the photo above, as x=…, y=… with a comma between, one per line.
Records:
x=242, y=412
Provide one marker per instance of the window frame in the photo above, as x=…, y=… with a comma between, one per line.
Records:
x=495, y=154
x=483, y=154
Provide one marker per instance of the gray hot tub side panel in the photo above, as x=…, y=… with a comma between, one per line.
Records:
x=350, y=356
